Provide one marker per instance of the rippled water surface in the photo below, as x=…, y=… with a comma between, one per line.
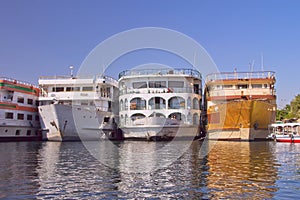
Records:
x=231, y=170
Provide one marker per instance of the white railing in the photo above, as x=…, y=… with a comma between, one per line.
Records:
x=138, y=72
x=239, y=75
x=107, y=79
x=18, y=82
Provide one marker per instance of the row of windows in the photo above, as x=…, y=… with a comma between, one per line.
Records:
x=239, y=86
x=29, y=101
x=177, y=116
x=104, y=91
x=21, y=116
x=71, y=89
x=158, y=84
x=28, y=132
x=160, y=103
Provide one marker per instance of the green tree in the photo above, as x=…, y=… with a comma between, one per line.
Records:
x=295, y=107
x=290, y=111
x=283, y=113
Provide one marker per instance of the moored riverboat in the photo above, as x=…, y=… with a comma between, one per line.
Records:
x=74, y=108
x=18, y=111
x=240, y=105
x=160, y=104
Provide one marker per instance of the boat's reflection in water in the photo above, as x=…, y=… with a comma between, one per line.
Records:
x=139, y=169
x=242, y=169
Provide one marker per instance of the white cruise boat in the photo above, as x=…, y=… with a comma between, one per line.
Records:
x=18, y=111
x=78, y=108
x=158, y=104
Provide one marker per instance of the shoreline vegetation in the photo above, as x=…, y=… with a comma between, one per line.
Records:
x=291, y=112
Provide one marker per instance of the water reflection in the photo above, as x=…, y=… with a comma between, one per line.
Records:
x=67, y=170
x=288, y=157
x=18, y=162
x=261, y=170
x=242, y=169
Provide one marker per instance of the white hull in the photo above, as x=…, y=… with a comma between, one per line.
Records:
x=19, y=133
x=71, y=123
x=160, y=132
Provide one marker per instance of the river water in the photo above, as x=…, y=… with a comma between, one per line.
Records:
x=229, y=170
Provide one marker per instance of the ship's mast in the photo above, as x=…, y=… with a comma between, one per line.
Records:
x=262, y=62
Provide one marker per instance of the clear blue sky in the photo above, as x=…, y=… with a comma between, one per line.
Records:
x=45, y=37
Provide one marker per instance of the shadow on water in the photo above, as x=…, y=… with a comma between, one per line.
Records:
x=259, y=170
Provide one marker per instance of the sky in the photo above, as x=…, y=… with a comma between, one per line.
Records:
x=45, y=37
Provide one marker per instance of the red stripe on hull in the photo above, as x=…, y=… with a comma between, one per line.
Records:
x=289, y=140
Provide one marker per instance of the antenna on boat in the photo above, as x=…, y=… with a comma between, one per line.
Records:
x=262, y=61
x=252, y=65
x=71, y=70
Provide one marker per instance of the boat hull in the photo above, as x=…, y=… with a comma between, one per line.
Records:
x=160, y=132
x=8, y=133
x=71, y=123
x=240, y=120
x=287, y=138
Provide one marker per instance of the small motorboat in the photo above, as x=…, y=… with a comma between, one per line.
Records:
x=285, y=132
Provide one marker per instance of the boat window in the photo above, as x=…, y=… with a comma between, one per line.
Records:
x=9, y=115
x=227, y=86
x=37, y=103
x=20, y=116
x=138, y=85
x=126, y=119
x=265, y=85
x=37, y=118
x=189, y=118
x=242, y=86
x=138, y=104
x=157, y=103
x=197, y=89
x=29, y=117
x=28, y=132
x=256, y=85
x=89, y=88
x=126, y=104
x=177, y=116
x=121, y=105
x=176, y=103
x=20, y=100
x=18, y=132
x=218, y=87
x=57, y=89
x=189, y=103
x=70, y=89
x=176, y=84
x=157, y=84
x=108, y=92
x=30, y=101
x=195, y=104
x=195, y=119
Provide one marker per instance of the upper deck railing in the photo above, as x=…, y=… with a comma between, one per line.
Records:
x=166, y=71
x=93, y=77
x=239, y=75
x=18, y=82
